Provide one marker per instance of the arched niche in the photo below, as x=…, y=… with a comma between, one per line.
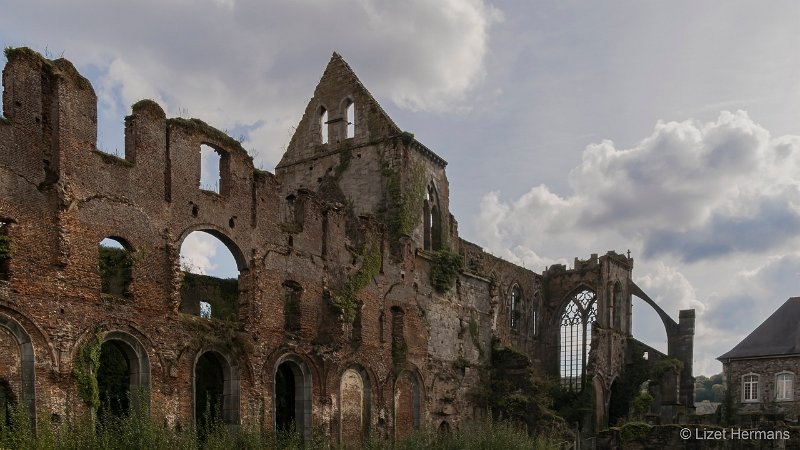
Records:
x=124, y=373
x=407, y=403
x=355, y=399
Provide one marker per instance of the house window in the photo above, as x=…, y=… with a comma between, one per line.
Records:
x=750, y=388
x=784, y=386
x=576, y=338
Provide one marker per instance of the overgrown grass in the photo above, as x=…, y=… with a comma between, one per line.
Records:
x=139, y=430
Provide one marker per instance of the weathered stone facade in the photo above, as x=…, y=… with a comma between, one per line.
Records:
x=406, y=358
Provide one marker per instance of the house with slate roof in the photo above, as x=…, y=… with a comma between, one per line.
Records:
x=761, y=371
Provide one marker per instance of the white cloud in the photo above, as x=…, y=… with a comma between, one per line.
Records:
x=197, y=252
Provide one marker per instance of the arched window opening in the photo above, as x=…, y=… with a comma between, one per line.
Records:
x=398, y=335
x=210, y=166
x=291, y=307
x=576, y=338
x=5, y=249
x=113, y=381
x=323, y=125
x=515, y=309
x=209, y=278
x=432, y=221
x=350, y=117
x=209, y=391
x=292, y=400
x=115, y=265
x=535, y=307
x=617, y=310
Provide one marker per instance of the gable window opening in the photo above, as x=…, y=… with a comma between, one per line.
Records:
x=205, y=310
x=576, y=339
x=784, y=386
x=115, y=266
x=210, y=177
x=750, y=388
x=350, y=117
x=323, y=126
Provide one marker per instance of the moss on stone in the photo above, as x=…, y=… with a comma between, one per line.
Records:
x=5, y=247
x=346, y=300
x=445, y=268
x=404, y=201
x=215, y=333
x=634, y=432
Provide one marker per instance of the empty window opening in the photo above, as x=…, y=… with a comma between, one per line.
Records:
x=291, y=307
x=617, y=310
x=398, y=335
x=515, y=310
x=350, y=117
x=292, y=401
x=110, y=135
x=537, y=302
x=115, y=265
x=209, y=277
x=5, y=250
x=576, y=338
x=113, y=381
x=209, y=391
x=210, y=160
x=784, y=386
x=432, y=223
x=323, y=126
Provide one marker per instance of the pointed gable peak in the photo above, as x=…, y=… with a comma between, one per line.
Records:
x=325, y=121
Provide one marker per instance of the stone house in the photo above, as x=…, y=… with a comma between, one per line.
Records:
x=761, y=371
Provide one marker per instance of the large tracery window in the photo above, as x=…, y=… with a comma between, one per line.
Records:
x=576, y=338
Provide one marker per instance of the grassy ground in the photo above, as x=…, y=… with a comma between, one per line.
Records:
x=139, y=431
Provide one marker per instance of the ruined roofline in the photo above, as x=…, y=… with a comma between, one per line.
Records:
x=25, y=62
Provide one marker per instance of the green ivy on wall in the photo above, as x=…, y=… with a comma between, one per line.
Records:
x=445, y=268
x=84, y=369
x=346, y=300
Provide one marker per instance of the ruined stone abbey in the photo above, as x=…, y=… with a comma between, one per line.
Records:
x=358, y=307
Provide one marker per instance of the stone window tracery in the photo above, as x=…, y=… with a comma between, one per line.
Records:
x=576, y=337
x=515, y=309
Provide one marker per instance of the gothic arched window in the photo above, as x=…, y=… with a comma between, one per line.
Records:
x=515, y=308
x=576, y=338
x=617, y=316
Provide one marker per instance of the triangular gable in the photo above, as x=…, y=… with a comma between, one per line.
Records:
x=338, y=85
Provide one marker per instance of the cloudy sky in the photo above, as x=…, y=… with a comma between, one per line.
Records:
x=668, y=128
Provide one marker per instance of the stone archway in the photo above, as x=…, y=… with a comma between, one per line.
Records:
x=124, y=374
x=27, y=359
x=215, y=388
x=292, y=393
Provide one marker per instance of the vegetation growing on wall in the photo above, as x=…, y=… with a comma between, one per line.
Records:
x=5, y=246
x=116, y=270
x=404, y=201
x=84, y=370
x=445, y=268
x=627, y=387
x=215, y=333
x=509, y=389
x=221, y=293
x=346, y=300
x=663, y=366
